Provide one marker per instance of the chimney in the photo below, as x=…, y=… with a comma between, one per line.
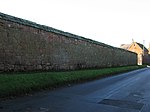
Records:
x=132, y=40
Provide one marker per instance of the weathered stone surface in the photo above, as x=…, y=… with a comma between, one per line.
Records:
x=27, y=46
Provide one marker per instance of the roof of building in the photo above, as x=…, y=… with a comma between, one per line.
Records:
x=125, y=46
x=142, y=46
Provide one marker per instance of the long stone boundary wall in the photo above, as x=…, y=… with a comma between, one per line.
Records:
x=27, y=46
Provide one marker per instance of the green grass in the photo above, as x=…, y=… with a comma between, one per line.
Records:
x=14, y=84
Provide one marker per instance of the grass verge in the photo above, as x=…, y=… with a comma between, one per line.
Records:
x=14, y=84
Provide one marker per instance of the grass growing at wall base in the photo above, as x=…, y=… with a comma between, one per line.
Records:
x=22, y=83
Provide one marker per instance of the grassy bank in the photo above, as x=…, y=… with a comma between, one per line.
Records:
x=22, y=83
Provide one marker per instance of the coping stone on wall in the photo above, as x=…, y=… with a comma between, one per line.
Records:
x=53, y=30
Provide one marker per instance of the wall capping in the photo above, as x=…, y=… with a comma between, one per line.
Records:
x=53, y=30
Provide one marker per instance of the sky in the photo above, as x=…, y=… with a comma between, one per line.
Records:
x=113, y=22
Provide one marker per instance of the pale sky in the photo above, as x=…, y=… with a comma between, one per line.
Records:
x=113, y=22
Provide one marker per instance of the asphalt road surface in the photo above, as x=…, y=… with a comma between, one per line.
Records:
x=128, y=92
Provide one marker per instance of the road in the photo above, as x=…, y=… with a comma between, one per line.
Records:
x=128, y=92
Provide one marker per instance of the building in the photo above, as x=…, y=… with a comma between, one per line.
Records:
x=143, y=56
x=149, y=49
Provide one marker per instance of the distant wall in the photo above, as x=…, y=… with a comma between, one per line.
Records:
x=27, y=46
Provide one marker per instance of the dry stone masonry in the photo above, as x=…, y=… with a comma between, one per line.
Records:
x=27, y=46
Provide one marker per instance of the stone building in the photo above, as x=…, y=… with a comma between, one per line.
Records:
x=143, y=56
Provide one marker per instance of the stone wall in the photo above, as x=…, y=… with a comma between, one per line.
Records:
x=27, y=46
